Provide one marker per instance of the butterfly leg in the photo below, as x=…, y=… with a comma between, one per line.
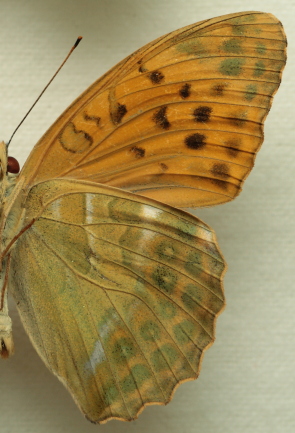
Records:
x=6, y=340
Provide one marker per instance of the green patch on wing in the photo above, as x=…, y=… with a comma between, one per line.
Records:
x=184, y=331
x=192, y=47
x=260, y=48
x=167, y=309
x=232, y=46
x=259, y=69
x=244, y=19
x=128, y=384
x=123, y=349
x=232, y=67
x=165, y=279
x=186, y=230
x=125, y=211
x=238, y=30
x=170, y=353
x=193, y=263
x=166, y=251
x=150, y=331
x=164, y=357
x=250, y=92
x=111, y=394
x=191, y=297
x=141, y=373
x=249, y=18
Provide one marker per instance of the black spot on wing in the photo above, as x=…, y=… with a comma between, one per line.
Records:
x=202, y=114
x=95, y=119
x=221, y=183
x=220, y=170
x=156, y=77
x=218, y=89
x=233, y=147
x=163, y=166
x=141, y=68
x=118, y=113
x=195, y=141
x=238, y=119
x=160, y=118
x=138, y=151
x=74, y=140
x=185, y=91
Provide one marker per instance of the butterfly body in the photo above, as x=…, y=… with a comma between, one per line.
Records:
x=118, y=290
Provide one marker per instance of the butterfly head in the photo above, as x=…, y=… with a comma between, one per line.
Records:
x=12, y=165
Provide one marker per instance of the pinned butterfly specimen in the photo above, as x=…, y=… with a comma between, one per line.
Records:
x=118, y=290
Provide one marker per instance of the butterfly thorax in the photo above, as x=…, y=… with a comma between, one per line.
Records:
x=7, y=197
x=6, y=342
x=10, y=220
x=3, y=171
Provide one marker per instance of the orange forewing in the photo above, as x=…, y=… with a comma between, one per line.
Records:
x=180, y=120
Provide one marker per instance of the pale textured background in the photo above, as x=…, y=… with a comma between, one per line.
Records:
x=247, y=383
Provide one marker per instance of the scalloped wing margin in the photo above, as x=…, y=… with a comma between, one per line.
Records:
x=120, y=300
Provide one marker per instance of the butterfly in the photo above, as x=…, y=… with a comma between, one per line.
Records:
x=117, y=287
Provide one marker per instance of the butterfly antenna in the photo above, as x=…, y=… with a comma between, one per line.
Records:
x=50, y=81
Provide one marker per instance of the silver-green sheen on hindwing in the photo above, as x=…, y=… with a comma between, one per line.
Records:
x=144, y=266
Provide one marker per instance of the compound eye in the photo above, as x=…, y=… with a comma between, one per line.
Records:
x=12, y=165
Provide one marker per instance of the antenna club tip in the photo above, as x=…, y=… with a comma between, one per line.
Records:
x=79, y=38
